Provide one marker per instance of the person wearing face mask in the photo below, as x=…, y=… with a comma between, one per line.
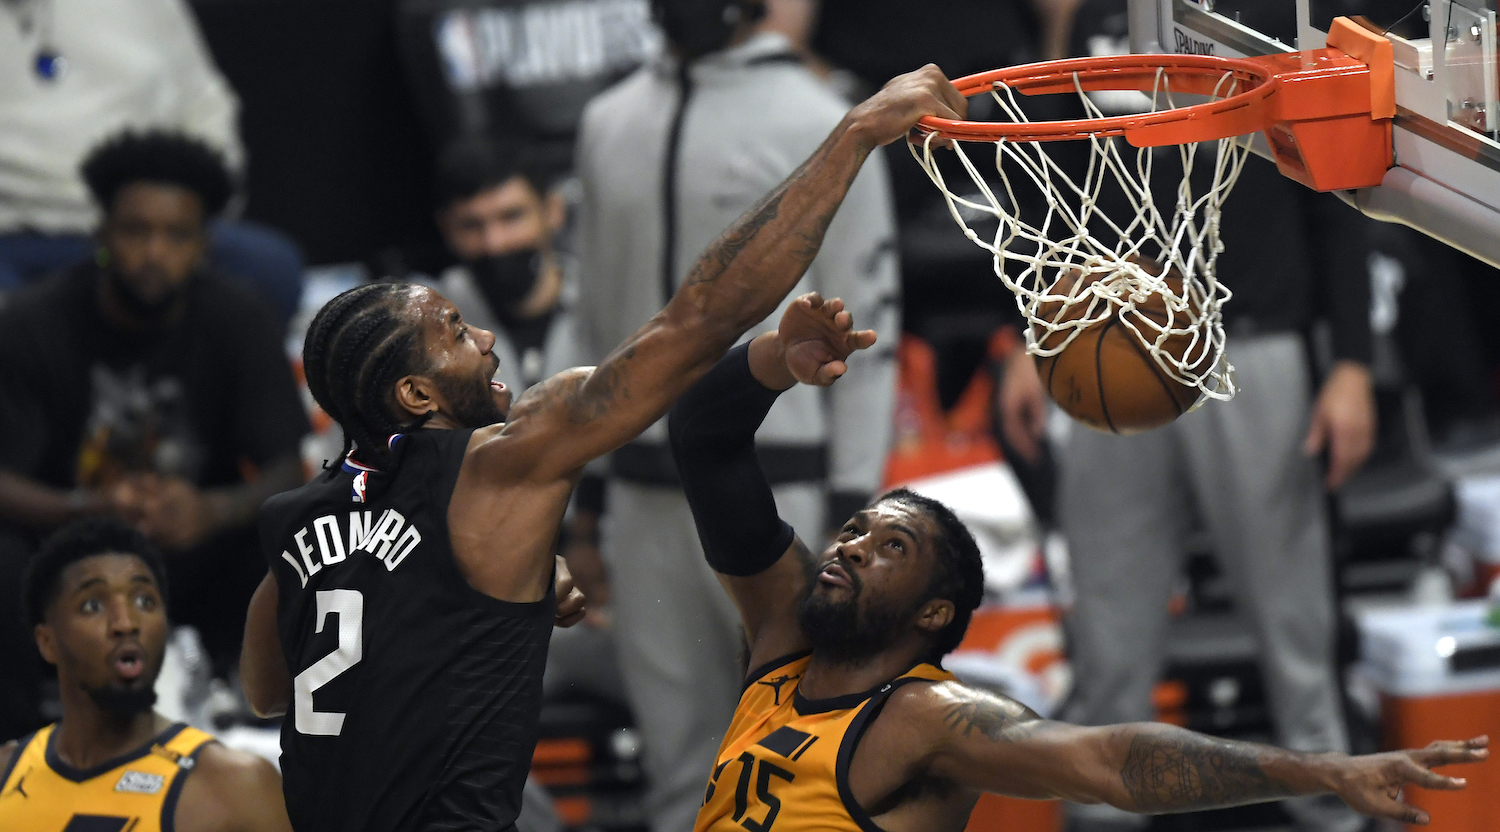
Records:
x=668, y=159
x=500, y=221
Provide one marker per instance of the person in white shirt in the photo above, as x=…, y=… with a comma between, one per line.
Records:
x=73, y=72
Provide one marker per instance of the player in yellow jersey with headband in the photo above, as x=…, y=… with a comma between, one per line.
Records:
x=848, y=723
x=96, y=599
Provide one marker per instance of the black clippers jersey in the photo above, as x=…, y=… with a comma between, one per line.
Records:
x=416, y=697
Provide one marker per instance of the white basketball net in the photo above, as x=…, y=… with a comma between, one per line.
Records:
x=1183, y=236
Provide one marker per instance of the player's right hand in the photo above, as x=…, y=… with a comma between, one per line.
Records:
x=1373, y=784
x=892, y=112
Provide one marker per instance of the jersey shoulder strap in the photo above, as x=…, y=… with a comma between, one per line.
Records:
x=183, y=746
x=182, y=749
x=926, y=672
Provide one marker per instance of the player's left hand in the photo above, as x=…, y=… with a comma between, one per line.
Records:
x=1373, y=784
x=1343, y=421
x=571, y=605
x=816, y=336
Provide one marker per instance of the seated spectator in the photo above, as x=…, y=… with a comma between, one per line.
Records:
x=87, y=69
x=145, y=387
x=96, y=600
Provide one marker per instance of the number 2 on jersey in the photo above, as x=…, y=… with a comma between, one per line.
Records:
x=349, y=606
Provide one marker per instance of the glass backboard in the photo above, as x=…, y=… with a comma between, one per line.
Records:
x=1446, y=178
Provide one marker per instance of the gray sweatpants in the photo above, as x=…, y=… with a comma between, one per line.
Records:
x=1237, y=470
x=678, y=636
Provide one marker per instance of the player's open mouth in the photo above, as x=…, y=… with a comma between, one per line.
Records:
x=834, y=575
x=497, y=386
x=130, y=663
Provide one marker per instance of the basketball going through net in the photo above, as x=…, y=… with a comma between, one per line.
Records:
x=1124, y=309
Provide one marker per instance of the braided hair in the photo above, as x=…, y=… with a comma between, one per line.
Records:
x=357, y=346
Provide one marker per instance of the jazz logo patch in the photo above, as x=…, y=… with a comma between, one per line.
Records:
x=140, y=782
x=361, y=482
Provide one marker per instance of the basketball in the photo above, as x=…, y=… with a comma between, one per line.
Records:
x=1106, y=378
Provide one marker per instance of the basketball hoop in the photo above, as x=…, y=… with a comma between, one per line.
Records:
x=1326, y=116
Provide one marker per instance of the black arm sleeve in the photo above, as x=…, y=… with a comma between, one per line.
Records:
x=712, y=429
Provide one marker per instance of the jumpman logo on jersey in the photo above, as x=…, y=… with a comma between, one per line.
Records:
x=775, y=684
x=20, y=783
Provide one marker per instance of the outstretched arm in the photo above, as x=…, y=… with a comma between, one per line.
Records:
x=762, y=565
x=987, y=742
x=738, y=282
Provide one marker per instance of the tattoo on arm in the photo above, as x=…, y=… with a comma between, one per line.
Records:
x=710, y=267
x=591, y=397
x=580, y=397
x=990, y=716
x=1174, y=771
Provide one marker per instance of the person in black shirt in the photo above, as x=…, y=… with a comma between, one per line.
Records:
x=404, y=622
x=146, y=388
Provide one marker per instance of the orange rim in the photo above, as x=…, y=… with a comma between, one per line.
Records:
x=1234, y=115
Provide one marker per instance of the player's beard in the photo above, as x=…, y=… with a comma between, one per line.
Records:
x=838, y=632
x=122, y=703
x=471, y=402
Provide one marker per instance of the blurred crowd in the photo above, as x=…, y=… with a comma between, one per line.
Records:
x=176, y=177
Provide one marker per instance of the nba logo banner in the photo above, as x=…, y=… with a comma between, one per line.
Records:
x=361, y=482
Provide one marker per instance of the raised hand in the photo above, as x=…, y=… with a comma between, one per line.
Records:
x=1374, y=784
x=816, y=337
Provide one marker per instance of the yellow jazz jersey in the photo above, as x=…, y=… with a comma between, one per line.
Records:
x=784, y=763
x=135, y=792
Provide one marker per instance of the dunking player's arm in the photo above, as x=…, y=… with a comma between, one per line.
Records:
x=517, y=476
x=934, y=747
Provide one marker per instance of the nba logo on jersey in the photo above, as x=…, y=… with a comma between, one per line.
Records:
x=361, y=482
